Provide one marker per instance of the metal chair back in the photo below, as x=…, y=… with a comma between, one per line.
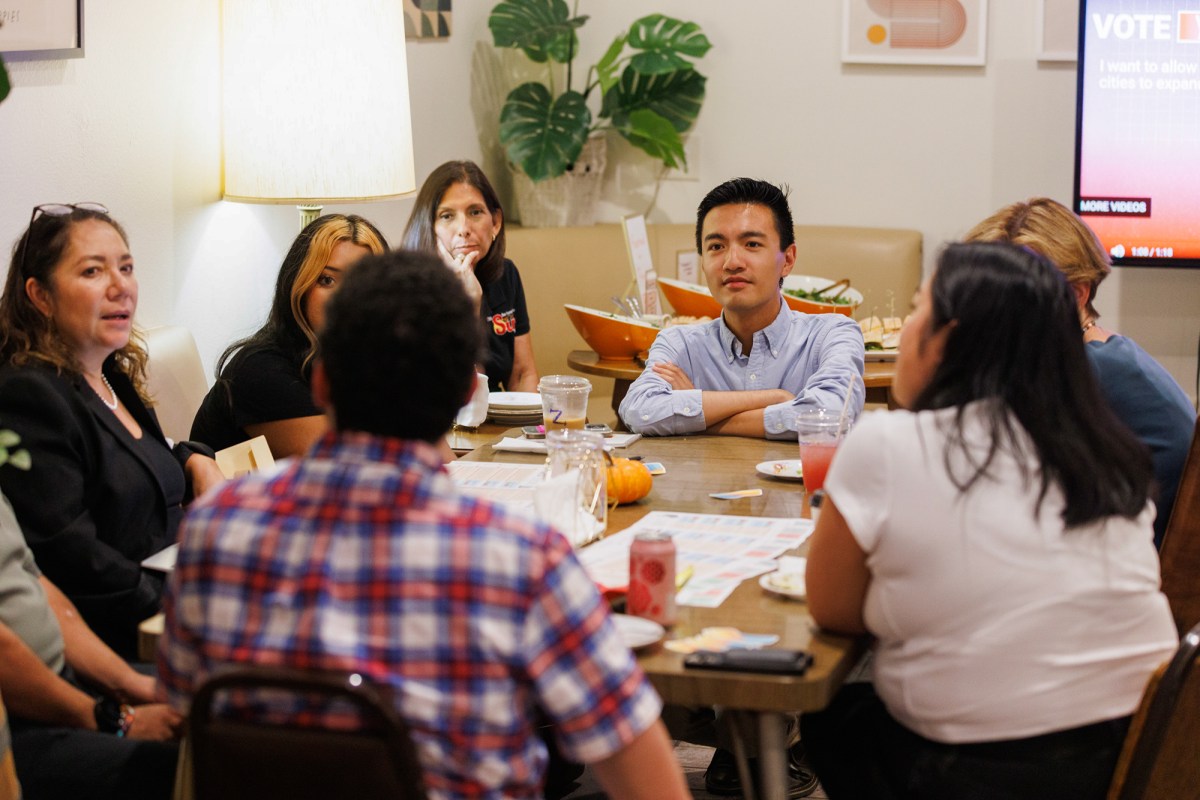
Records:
x=1161, y=756
x=235, y=758
x=1180, y=552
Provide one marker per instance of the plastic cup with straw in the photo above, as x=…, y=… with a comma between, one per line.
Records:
x=820, y=431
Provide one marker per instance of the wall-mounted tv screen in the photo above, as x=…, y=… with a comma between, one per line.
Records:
x=1137, y=132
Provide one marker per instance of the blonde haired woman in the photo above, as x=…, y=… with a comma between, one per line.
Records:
x=1143, y=394
x=262, y=385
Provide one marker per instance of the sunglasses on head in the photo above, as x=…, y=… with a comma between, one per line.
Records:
x=55, y=210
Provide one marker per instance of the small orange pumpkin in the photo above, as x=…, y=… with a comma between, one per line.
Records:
x=628, y=481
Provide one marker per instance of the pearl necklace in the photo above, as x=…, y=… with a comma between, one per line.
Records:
x=113, y=405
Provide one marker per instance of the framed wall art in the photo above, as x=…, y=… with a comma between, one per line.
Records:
x=41, y=28
x=1058, y=30
x=932, y=32
x=425, y=19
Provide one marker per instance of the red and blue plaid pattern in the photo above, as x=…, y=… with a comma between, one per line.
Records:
x=363, y=556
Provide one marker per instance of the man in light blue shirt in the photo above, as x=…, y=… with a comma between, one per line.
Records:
x=747, y=373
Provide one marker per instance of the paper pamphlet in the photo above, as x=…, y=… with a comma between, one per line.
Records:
x=723, y=549
x=251, y=455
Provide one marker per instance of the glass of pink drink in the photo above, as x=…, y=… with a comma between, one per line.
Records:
x=819, y=431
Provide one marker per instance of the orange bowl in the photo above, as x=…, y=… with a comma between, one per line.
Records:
x=610, y=335
x=808, y=283
x=689, y=299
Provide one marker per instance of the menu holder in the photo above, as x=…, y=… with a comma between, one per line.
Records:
x=645, y=279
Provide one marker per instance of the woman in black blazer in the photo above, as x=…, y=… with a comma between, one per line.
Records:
x=104, y=489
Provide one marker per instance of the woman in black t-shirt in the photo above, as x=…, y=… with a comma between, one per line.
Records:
x=458, y=215
x=262, y=385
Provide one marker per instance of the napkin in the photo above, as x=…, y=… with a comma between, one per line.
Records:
x=163, y=560
x=556, y=501
x=475, y=412
x=792, y=564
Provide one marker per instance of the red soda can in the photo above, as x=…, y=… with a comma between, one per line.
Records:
x=652, y=577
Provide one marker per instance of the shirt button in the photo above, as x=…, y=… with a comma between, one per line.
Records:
x=774, y=352
x=753, y=377
x=687, y=409
x=645, y=417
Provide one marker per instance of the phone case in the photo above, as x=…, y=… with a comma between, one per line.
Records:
x=778, y=662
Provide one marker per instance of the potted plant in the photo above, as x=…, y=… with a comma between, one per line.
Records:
x=9, y=454
x=645, y=87
x=5, y=86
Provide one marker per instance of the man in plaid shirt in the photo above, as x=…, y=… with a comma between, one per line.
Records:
x=363, y=556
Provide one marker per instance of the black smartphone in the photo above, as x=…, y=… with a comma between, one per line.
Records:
x=598, y=427
x=534, y=432
x=776, y=662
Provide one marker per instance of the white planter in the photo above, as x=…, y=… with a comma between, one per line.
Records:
x=569, y=199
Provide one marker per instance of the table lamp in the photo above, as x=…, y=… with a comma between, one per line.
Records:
x=316, y=106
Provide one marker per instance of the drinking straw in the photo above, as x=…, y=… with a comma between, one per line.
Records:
x=596, y=498
x=843, y=418
x=684, y=576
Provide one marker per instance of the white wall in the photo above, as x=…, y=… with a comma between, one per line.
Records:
x=135, y=124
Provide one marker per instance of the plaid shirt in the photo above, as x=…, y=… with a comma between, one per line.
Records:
x=363, y=556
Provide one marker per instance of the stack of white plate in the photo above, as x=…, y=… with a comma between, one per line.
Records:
x=515, y=408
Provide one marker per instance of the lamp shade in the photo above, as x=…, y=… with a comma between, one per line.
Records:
x=316, y=104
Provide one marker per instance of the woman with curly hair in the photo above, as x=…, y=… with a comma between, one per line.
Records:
x=104, y=489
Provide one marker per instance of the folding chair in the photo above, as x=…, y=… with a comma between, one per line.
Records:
x=1161, y=755
x=233, y=758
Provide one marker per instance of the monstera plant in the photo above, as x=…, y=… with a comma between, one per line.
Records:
x=9, y=454
x=645, y=86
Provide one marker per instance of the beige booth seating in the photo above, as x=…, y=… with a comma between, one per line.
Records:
x=586, y=266
x=175, y=378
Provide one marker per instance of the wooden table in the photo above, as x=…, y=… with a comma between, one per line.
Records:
x=696, y=466
x=877, y=375
x=464, y=440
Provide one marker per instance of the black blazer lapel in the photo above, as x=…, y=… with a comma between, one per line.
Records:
x=108, y=419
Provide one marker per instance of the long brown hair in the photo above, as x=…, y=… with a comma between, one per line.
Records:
x=29, y=336
x=420, y=235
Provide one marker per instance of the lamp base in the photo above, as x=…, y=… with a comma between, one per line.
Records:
x=308, y=214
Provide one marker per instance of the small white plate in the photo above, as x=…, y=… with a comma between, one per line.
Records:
x=637, y=632
x=788, y=470
x=514, y=400
x=784, y=584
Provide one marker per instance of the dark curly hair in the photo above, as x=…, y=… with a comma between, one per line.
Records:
x=377, y=347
